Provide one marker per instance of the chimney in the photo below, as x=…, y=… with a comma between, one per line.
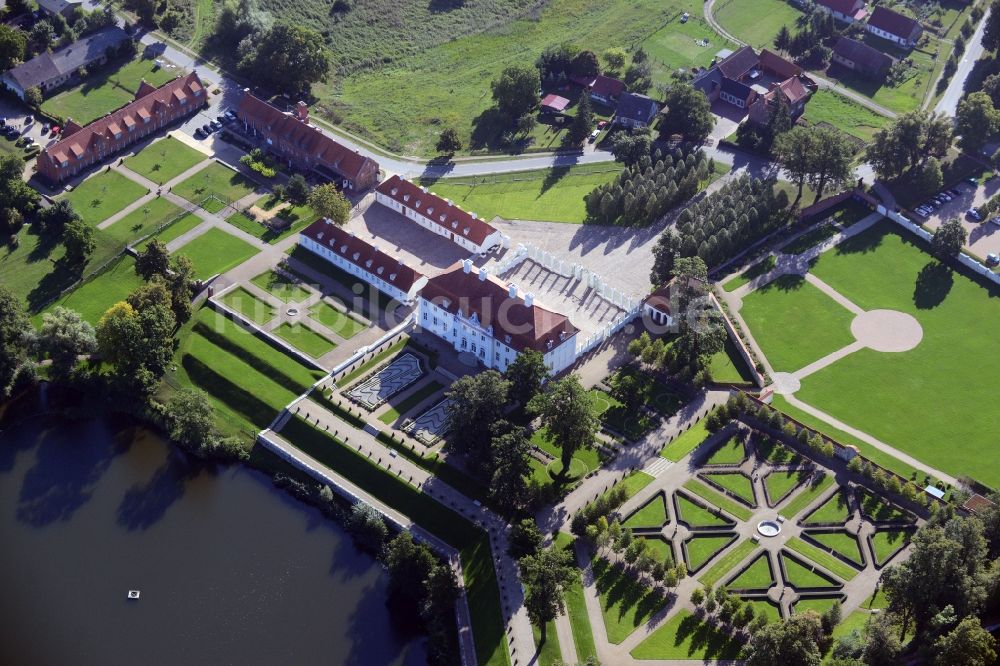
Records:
x=529, y=299
x=482, y=274
x=302, y=112
x=512, y=290
x=467, y=266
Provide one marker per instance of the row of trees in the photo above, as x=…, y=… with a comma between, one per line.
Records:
x=645, y=191
x=810, y=44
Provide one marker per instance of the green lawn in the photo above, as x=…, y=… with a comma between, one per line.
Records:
x=908, y=95
x=635, y=482
x=730, y=452
x=826, y=106
x=165, y=160
x=364, y=298
x=779, y=483
x=305, y=339
x=216, y=251
x=285, y=288
x=801, y=576
x=762, y=267
x=625, y=604
x=588, y=457
x=472, y=543
x=757, y=576
x=686, y=637
x=736, y=483
x=885, y=543
x=817, y=605
x=774, y=451
x=806, y=496
x=249, y=306
x=576, y=605
x=549, y=651
x=651, y=514
x=842, y=542
x=728, y=367
x=403, y=406
x=810, y=239
x=686, y=442
x=824, y=559
x=215, y=180
x=675, y=45
x=795, y=323
x=878, y=509
x=725, y=564
x=883, y=269
x=696, y=516
x=144, y=220
x=248, y=381
x=550, y=195
x=92, y=299
x=338, y=322
x=105, y=90
x=175, y=230
x=834, y=510
x=756, y=22
x=98, y=198
x=660, y=548
x=718, y=499
x=700, y=549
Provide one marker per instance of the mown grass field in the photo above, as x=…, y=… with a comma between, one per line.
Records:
x=700, y=549
x=249, y=306
x=687, y=45
x=106, y=89
x=92, y=298
x=684, y=636
x=757, y=576
x=822, y=558
x=215, y=252
x=625, y=603
x=686, y=442
x=98, y=198
x=281, y=287
x=806, y=496
x=826, y=106
x=652, y=514
x=735, y=555
x=215, y=180
x=165, y=160
x=305, y=339
x=144, y=220
x=756, y=22
x=951, y=367
x=180, y=227
x=841, y=542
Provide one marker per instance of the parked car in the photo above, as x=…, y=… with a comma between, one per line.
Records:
x=229, y=114
x=995, y=220
x=992, y=259
x=45, y=128
x=972, y=181
x=594, y=135
x=198, y=134
x=56, y=130
x=28, y=120
x=206, y=129
x=215, y=125
x=974, y=214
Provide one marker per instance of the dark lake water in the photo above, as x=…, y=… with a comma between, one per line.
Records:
x=231, y=569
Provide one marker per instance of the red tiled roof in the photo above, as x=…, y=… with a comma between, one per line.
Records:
x=738, y=64
x=77, y=141
x=893, y=22
x=771, y=61
x=361, y=254
x=555, y=102
x=977, y=504
x=310, y=140
x=605, y=86
x=529, y=327
x=792, y=88
x=446, y=215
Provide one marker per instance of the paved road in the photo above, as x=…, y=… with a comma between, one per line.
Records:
x=949, y=101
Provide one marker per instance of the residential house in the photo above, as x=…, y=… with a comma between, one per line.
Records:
x=731, y=78
x=66, y=8
x=791, y=92
x=895, y=27
x=439, y=215
x=552, y=103
x=738, y=94
x=773, y=65
x=478, y=314
x=742, y=65
x=52, y=69
x=152, y=110
x=602, y=89
x=635, y=110
x=354, y=256
x=845, y=11
x=304, y=147
x=861, y=58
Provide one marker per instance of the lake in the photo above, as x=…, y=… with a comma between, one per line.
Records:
x=231, y=569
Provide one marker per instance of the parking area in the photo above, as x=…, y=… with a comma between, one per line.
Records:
x=984, y=237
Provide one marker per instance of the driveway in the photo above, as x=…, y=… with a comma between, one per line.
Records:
x=984, y=238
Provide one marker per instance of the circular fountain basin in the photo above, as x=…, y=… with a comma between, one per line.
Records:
x=292, y=312
x=769, y=528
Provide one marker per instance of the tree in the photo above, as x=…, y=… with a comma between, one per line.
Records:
x=546, y=576
x=516, y=91
x=297, y=189
x=63, y=337
x=795, y=150
x=583, y=122
x=568, y=415
x=783, y=39
x=138, y=343
x=967, y=644
x=614, y=58
x=449, y=142
x=409, y=565
x=286, y=58
x=556, y=60
x=911, y=138
x=190, y=419
x=476, y=403
x=16, y=194
x=792, y=642
x=991, y=34
x=78, y=237
x=366, y=524
x=976, y=120
x=511, y=468
x=832, y=161
x=630, y=147
x=33, y=97
x=928, y=176
x=525, y=539
x=328, y=202
x=526, y=374
x=14, y=332
x=949, y=239
x=57, y=216
x=585, y=64
x=12, y=45
x=180, y=284
x=688, y=112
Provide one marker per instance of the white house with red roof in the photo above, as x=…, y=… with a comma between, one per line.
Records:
x=476, y=313
x=352, y=255
x=895, y=27
x=847, y=11
x=439, y=215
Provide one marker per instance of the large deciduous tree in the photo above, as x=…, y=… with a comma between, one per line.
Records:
x=976, y=120
x=949, y=238
x=409, y=565
x=477, y=403
x=327, y=201
x=688, y=112
x=583, y=122
x=449, y=142
x=64, y=336
x=792, y=642
x=568, y=415
x=967, y=644
x=516, y=91
x=190, y=419
x=79, y=241
x=912, y=138
x=12, y=45
x=832, y=160
x=526, y=374
x=546, y=575
x=794, y=152
x=511, y=468
x=286, y=58
x=14, y=332
x=991, y=34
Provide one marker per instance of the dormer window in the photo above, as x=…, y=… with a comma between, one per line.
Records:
x=343, y=249
x=392, y=277
x=417, y=204
x=406, y=197
x=380, y=270
x=445, y=303
x=454, y=225
x=319, y=236
x=548, y=345
x=430, y=211
x=356, y=256
x=506, y=339
x=368, y=264
x=394, y=191
x=466, y=231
